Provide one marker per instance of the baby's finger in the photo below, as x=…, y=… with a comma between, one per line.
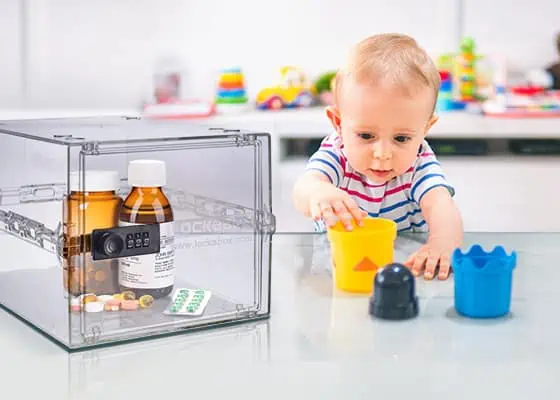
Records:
x=410, y=260
x=328, y=214
x=356, y=212
x=418, y=263
x=431, y=264
x=343, y=214
x=444, y=267
x=315, y=210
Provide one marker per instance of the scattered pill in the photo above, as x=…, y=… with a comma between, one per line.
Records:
x=114, y=302
x=146, y=301
x=90, y=298
x=128, y=295
x=129, y=305
x=83, y=296
x=104, y=298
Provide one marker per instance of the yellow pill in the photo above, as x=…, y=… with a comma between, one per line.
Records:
x=128, y=295
x=146, y=301
x=90, y=298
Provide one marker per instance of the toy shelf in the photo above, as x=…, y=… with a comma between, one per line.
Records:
x=297, y=128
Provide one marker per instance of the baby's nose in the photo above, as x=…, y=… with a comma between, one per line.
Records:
x=380, y=153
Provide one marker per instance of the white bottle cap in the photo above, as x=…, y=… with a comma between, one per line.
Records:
x=95, y=181
x=146, y=173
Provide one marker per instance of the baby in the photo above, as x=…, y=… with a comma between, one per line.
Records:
x=377, y=162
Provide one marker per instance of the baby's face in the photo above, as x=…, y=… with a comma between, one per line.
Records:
x=383, y=129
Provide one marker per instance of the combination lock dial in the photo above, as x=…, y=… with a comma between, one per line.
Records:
x=125, y=241
x=110, y=244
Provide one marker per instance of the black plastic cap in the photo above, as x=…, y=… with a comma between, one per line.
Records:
x=394, y=295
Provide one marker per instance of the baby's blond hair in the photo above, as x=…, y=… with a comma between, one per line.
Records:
x=389, y=58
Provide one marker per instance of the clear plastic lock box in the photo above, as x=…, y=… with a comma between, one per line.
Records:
x=116, y=229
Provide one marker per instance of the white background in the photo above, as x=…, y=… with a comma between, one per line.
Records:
x=102, y=53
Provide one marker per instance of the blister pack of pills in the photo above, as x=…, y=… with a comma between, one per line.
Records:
x=188, y=302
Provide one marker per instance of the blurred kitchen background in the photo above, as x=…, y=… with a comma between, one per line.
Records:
x=266, y=65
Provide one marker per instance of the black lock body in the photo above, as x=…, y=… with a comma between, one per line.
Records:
x=125, y=241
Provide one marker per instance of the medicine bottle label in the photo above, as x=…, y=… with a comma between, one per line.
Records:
x=150, y=271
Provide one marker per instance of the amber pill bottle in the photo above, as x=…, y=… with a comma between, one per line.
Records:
x=150, y=274
x=95, y=205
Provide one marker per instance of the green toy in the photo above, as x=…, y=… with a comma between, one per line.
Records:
x=323, y=87
x=324, y=82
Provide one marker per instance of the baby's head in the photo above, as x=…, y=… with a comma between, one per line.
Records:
x=385, y=98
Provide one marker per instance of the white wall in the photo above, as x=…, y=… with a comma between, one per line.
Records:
x=522, y=30
x=10, y=70
x=101, y=53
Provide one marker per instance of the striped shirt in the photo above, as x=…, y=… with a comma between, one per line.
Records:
x=397, y=199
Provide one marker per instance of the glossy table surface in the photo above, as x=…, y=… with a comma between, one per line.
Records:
x=320, y=343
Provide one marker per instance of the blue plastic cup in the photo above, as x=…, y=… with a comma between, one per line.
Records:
x=483, y=281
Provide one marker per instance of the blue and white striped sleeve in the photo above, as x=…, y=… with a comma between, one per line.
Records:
x=428, y=174
x=329, y=162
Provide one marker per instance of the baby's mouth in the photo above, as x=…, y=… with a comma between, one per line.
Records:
x=381, y=173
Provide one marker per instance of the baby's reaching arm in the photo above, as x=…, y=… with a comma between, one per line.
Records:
x=316, y=197
x=431, y=191
x=316, y=193
x=446, y=234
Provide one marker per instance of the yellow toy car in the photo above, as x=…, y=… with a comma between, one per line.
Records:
x=292, y=91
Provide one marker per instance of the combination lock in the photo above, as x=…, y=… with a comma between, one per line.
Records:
x=125, y=241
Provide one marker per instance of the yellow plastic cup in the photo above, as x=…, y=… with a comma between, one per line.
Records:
x=358, y=254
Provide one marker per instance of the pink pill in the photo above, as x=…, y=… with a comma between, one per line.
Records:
x=129, y=305
x=113, y=302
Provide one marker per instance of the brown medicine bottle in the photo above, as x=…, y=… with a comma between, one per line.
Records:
x=150, y=274
x=97, y=207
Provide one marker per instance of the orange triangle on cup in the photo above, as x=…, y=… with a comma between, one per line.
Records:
x=365, y=265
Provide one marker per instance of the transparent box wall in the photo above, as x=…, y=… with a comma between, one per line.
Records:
x=218, y=186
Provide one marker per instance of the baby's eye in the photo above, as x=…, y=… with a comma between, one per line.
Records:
x=402, y=138
x=365, y=136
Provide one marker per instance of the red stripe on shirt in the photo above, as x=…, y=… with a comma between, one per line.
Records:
x=397, y=189
x=377, y=199
x=363, y=196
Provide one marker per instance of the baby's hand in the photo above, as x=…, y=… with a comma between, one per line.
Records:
x=333, y=205
x=435, y=253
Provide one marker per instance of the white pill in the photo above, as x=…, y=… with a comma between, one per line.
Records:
x=75, y=301
x=104, y=298
x=94, y=306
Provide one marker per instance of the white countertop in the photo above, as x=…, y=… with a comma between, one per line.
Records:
x=321, y=344
x=314, y=123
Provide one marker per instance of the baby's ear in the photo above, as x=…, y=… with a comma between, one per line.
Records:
x=433, y=119
x=334, y=116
